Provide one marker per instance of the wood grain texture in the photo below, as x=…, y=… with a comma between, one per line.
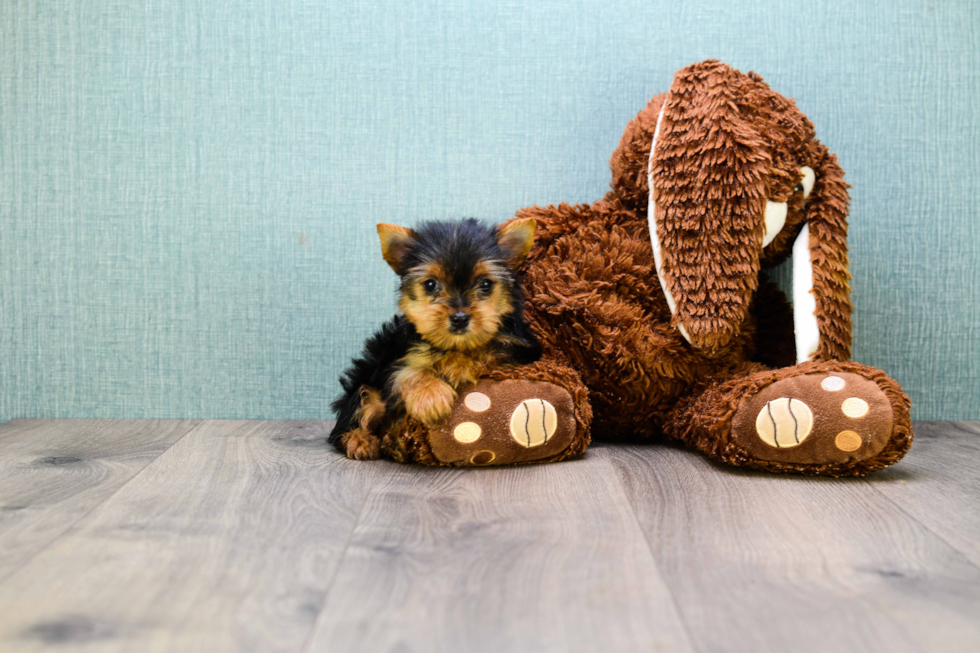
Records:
x=938, y=483
x=255, y=536
x=767, y=563
x=52, y=473
x=537, y=558
x=226, y=542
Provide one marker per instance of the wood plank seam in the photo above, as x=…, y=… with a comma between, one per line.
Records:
x=959, y=426
x=692, y=642
x=962, y=426
x=336, y=572
x=192, y=427
x=889, y=595
x=938, y=535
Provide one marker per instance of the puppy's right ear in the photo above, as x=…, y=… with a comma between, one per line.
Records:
x=395, y=243
x=516, y=238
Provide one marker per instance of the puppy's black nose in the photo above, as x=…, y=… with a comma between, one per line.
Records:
x=459, y=320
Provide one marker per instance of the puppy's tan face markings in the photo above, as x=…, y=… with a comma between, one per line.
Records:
x=430, y=296
x=490, y=301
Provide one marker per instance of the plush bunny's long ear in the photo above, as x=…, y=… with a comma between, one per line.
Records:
x=707, y=201
x=821, y=277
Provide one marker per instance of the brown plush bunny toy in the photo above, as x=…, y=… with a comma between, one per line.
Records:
x=653, y=297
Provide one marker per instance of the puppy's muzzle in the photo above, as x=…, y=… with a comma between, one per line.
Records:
x=458, y=321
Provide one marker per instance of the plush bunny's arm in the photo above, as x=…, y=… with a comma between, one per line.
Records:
x=821, y=277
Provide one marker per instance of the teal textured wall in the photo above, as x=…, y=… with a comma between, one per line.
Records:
x=188, y=189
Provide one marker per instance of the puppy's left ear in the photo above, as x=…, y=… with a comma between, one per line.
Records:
x=516, y=238
x=395, y=243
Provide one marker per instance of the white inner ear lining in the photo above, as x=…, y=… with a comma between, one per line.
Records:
x=658, y=257
x=805, y=327
x=809, y=179
x=775, y=215
x=775, y=219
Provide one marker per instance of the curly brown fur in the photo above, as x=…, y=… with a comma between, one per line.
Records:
x=462, y=317
x=727, y=145
x=594, y=297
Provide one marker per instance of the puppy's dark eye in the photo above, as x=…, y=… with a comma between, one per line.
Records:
x=430, y=286
x=799, y=188
x=485, y=286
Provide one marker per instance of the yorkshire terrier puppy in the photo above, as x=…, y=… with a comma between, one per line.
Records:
x=461, y=314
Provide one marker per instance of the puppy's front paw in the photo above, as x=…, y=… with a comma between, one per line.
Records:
x=430, y=401
x=361, y=445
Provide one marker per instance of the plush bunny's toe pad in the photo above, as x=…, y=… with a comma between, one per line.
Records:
x=815, y=419
x=505, y=422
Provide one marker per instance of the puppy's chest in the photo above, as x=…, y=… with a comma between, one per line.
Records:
x=458, y=368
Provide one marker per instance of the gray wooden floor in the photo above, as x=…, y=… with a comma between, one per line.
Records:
x=229, y=536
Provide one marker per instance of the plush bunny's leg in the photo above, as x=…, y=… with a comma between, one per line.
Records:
x=532, y=413
x=820, y=418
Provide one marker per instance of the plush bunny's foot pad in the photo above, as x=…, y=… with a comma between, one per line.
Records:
x=505, y=422
x=819, y=419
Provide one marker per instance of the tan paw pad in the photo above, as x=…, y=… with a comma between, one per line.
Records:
x=832, y=384
x=533, y=422
x=467, y=432
x=477, y=402
x=855, y=407
x=784, y=422
x=483, y=458
x=848, y=441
